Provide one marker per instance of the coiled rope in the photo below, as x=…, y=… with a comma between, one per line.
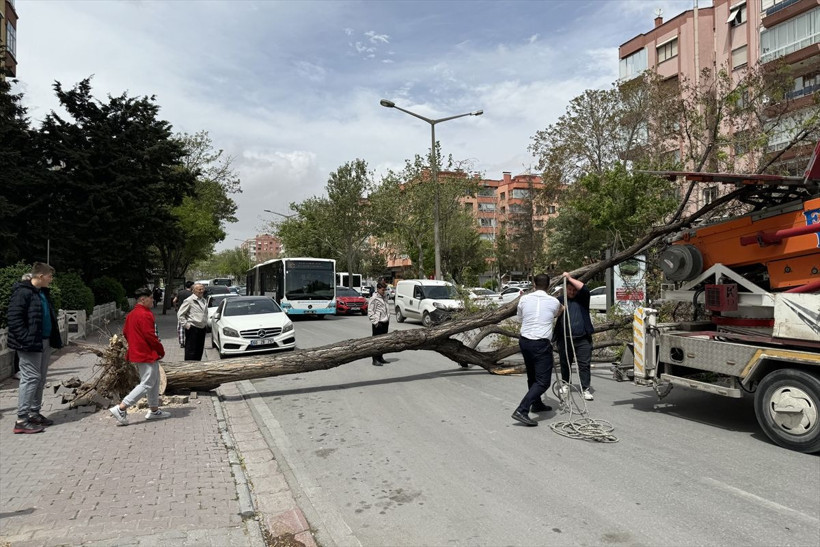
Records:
x=579, y=425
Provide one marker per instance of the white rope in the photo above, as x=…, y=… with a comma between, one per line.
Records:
x=579, y=425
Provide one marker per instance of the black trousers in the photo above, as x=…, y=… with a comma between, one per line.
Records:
x=194, y=343
x=538, y=360
x=379, y=328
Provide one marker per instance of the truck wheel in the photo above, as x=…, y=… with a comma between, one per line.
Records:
x=426, y=320
x=787, y=405
x=399, y=317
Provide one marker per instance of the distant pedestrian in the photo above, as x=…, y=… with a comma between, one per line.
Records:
x=33, y=331
x=177, y=302
x=157, y=295
x=536, y=311
x=379, y=315
x=193, y=316
x=573, y=335
x=144, y=350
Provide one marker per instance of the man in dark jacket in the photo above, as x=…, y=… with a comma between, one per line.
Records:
x=33, y=332
x=573, y=334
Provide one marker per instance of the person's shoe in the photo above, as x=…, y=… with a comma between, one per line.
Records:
x=157, y=414
x=382, y=361
x=376, y=362
x=523, y=418
x=587, y=395
x=540, y=408
x=39, y=419
x=27, y=427
x=120, y=415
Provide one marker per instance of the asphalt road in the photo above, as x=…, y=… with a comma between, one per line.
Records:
x=422, y=452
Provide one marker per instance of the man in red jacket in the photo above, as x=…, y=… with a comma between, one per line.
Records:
x=144, y=350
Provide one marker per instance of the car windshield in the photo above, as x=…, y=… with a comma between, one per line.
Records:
x=440, y=292
x=597, y=290
x=214, y=301
x=256, y=306
x=346, y=291
x=484, y=292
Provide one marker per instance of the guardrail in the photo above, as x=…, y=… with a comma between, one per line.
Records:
x=73, y=324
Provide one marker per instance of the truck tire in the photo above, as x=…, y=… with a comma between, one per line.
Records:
x=426, y=320
x=399, y=317
x=787, y=406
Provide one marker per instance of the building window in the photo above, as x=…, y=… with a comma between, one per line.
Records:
x=805, y=85
x=796, y=33
x=550, y=209
x=486, y=191
x=516, y=208
x=487, y=222
x=667, y=50
x=486, y=206
x=633, y=65
x=737, y=14
x=487, y=237
x=739, y=57
x=710, y=194
x=11, y=39
x=520, y=193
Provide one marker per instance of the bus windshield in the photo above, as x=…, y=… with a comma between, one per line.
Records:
x=309, y=280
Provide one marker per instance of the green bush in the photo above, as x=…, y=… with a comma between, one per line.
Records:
x=8, y=276
x=107, y=289
x=75, y=294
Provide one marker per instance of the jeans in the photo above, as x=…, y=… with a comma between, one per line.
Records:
x=538, y=360
x=149, y=381
x=33, y=371
x=377, y=329
x=583, y=356
x=194, y=343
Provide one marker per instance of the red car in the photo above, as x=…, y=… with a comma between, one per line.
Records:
x=349, y=301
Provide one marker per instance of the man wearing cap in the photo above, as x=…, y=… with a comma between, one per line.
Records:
x=144, y=350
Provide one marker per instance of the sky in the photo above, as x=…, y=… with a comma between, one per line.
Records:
x=291, y=90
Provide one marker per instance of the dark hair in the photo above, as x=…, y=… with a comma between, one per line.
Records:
x=189, y=284
x=542, y=281
x=142, y=291
x=381, y=285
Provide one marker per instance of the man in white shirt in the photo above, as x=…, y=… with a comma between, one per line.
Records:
x=536, y=311
x=193, y=316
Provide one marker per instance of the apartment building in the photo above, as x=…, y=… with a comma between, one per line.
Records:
x=8, y=39
x=737, y=34
x=263, y=247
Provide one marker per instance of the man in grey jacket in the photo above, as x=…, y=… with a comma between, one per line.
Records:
x=193, y=316
x=379, y=315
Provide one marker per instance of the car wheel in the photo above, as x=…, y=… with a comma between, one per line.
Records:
x=426, y=320
x=399, y=317
x=787, y=405
x=364, y=312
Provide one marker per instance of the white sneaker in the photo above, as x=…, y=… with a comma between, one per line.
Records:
x=158, y=415
x=120, y=415
x=587, y=395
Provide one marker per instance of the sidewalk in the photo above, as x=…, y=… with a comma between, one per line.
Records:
x=205, y=476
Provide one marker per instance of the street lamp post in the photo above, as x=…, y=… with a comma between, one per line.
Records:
x=280, y=214
x=433, y=169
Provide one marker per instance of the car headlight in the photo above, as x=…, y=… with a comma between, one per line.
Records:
x=228, y=331
x=287, y=328
x=439, y=305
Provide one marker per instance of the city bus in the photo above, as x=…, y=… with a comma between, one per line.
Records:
x=301, y=286
x=343, y=280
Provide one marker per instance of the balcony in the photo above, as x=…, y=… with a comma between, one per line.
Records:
x=808, y=90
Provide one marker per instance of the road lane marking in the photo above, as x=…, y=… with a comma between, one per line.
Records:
x=762, y=501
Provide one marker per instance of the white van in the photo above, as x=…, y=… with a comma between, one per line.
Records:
x=426, y=300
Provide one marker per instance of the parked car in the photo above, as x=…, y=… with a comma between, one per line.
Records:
x=350, y=301
x=484, y=297
x=429, y=301
x=250, y=324
x=368, y=290
x=511, y=293
x=597, y=299
x=238, y=289
x=216, y=289
x=526, y=285
x=213, y=303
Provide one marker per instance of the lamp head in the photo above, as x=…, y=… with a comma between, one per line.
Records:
x=477, y=113
x=386, y=103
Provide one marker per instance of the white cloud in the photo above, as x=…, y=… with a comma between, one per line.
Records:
x=377, y=38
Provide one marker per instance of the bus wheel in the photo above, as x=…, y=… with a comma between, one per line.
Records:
x=787, y=406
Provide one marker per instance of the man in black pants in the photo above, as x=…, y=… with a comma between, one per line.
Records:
x=378, y=311
x=536, y=311
x=573, y=335
x=193, y=316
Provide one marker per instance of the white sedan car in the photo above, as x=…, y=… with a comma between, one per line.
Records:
x=482, y=297
x=250, y=324
x=597, y=299
x=213, y=303
x=511, y=293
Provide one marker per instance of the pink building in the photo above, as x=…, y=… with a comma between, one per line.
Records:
x=736, y=34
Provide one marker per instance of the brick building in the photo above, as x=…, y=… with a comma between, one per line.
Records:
x=8, y=39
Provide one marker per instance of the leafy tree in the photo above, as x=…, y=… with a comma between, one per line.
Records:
x=108, y=289
x=75, y=294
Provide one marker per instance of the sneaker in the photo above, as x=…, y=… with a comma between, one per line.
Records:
x=157, y=414
x=120, y=415
x=587, y=395
x=38, y=419
x=27, y=427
